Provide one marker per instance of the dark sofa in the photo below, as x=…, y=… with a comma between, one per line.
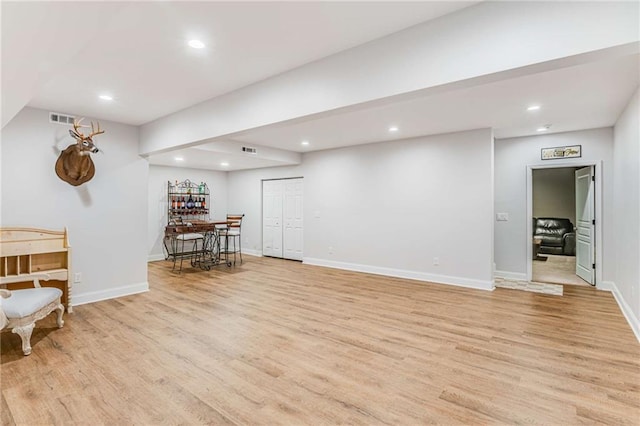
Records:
x=557, y=234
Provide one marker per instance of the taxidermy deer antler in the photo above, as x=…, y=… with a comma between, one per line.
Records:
x=74, y=164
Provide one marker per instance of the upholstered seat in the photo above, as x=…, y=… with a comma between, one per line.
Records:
x=20, y=309
x=556, y=235
x=190, y=236
x=178, y=242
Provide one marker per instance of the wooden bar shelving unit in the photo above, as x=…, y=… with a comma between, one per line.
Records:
x=28, y=253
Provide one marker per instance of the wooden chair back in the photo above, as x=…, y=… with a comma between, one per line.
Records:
x=234, y=221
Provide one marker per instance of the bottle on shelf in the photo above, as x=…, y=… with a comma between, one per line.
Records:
x=188, y=199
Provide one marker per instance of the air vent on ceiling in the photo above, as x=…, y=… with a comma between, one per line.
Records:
x=249, y=150
x=54, y=117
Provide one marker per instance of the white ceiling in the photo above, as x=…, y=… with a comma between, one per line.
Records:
x=584, y=96
x=577, y=97
x=137, y=52
x=212, y=156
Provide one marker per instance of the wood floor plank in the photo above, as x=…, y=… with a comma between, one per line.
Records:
x=278, y=342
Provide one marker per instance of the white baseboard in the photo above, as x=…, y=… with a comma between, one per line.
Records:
x=251, y=252
x=606, y=286
x=402, y=273
x=111, y=293
x=155, y=257
x=517, y=276
x=634, y=323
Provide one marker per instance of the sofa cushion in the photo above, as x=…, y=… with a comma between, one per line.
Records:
x=551, y=231
x=552, y=225
x=551, y=240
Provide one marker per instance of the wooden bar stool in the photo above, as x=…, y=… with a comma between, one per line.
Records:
x=233, y=231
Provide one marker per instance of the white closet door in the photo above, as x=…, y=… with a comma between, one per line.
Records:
x=272, y=199
x=293, y=191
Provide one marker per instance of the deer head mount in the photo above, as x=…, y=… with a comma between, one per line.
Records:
x=74, y=164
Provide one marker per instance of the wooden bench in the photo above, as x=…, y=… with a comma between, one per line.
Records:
x=28, y=253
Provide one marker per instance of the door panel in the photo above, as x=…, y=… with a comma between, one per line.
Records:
x=585, y=240
x=272, y=218
x=293, y=219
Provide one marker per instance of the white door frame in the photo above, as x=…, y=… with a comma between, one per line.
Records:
x=598, y=211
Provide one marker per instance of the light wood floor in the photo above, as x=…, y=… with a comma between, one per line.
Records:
x=557, y=269
x=276, y=342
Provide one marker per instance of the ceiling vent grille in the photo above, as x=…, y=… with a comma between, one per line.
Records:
x=54, y=117
x=249, y=150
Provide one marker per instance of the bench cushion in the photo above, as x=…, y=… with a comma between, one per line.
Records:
x=25, y=302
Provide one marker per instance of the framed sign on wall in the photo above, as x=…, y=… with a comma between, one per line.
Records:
x=554, y=153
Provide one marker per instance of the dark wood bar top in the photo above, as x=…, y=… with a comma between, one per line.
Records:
x=195, y=226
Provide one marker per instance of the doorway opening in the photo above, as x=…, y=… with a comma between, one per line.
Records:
x=562, y=215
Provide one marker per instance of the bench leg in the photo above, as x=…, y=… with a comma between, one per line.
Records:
x=25, y=334
x=60, y=311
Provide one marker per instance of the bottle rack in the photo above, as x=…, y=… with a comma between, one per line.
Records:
x=188, y=201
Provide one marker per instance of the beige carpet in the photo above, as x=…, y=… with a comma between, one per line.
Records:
x=557, y=269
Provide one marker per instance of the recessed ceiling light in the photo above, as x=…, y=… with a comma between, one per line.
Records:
x=393, y=129
x=533, y=108
x=196, y=44
x=304, y=143
x=542, y=129
x=224, y=164
x=178, y=158
x=106, y=97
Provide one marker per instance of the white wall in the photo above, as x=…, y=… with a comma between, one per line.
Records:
x=475, y=42
x=554, y=193
x=244, y=189
x=106, y=216
x=512, y=156
x=158, y=177
x=626, y=208
x=391, y=207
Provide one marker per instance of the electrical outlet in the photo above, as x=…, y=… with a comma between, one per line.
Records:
x=436, y=261
x=330, y=250
x=77, y=277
